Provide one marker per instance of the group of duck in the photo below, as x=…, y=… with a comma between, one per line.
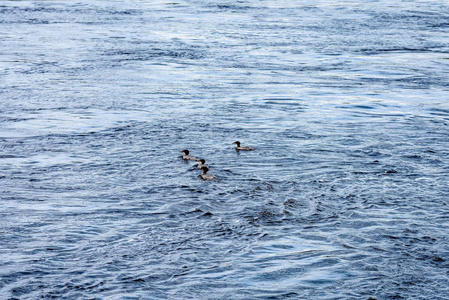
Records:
x=202, y=162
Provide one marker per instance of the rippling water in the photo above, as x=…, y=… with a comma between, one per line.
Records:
x=346, y=197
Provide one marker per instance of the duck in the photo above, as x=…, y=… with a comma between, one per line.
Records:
x=186, y=155
x=205, y=176
x=243, y=148
x=202, y=163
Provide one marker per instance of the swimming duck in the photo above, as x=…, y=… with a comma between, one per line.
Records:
x=186, y=155
x=205, y=176
x=202, y=163
x=243, y=148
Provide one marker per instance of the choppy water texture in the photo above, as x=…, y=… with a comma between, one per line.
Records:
x=346, y=197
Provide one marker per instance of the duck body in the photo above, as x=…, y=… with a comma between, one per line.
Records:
x=206, y=176
x=186, y=155
x=202, y=163
x=242, y=148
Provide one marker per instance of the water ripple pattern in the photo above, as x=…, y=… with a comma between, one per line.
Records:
x=346, y=196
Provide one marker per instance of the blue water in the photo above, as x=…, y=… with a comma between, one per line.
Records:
x=346, y=197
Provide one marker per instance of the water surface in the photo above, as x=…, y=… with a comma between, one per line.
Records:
x=345, y=198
